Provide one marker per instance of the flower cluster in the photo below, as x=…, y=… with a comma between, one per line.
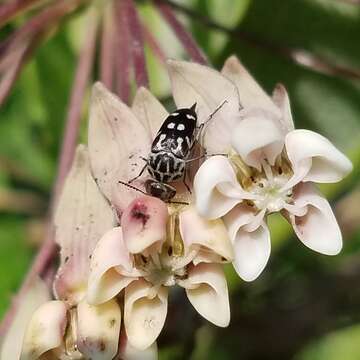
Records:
x=122, y=251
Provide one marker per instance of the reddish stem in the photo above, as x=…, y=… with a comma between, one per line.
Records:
x=107, y=54
x=137, y=43
x=153, y=44
x=183, y=35
x=47, y=251
x=13, y=8
x=122, y=53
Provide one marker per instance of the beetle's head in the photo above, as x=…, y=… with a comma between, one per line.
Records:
x=163, y=191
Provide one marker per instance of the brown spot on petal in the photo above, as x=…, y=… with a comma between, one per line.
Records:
x=102, y=346
x=139, y=212
x=112, y=323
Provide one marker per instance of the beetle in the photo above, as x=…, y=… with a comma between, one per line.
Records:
x=170, y=152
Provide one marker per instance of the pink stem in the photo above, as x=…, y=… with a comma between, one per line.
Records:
x=153, y=44
x=11, y=73
x=47, y=251
x=137, y=43
x=13, y=8
x=107, y=55
x=122, y=54
x=183, y=35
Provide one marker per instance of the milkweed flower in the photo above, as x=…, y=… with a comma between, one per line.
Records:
x=68, y=327
x=267, y=165
x=157, y=245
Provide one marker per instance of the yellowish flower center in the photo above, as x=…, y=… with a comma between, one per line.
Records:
x=267, y=184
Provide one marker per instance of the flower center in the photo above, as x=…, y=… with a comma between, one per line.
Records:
x=266, y=185
x=169, y=266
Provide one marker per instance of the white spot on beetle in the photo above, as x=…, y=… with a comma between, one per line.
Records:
x=174, y=114
x=171, y=125
x=181, y=127
x=190, y=116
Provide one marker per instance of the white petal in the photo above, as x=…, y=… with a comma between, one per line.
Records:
x=194, y=83
x=37, y=295
x=144, y=224
x=250, y=92
x=145, y=309
x=82, y=216
x=110, y=255
x=281, y=99
x=210, y=234
x=117, y=141
x=318, y=228
x=216, y=187
x=128, y=352
x=315, y=158
x=257, y=138
x=149, y=111
x=45, y=330
x=252, y=248
x=98, y=329
x=207, y=291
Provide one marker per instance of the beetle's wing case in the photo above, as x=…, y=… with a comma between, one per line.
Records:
x=176, y=134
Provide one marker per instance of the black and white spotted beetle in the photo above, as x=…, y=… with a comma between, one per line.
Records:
x=170, y=152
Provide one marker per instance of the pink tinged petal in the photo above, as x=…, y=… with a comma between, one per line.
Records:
x=217, y=189
x=128, y=352
x=109, y=259
x=45, y=330
x=281, y=99
x=98, y=329
x=206, y=289
x=144, y=224
x=251, y=240
x=251, y=94
x=145, y=309
x=194, y=83
x=117, y=141
x=210, y=234
x=82, y=217
x=257, y=138
x=37, y=295
x=318, y=228
x=314, y=158
x=149, y=111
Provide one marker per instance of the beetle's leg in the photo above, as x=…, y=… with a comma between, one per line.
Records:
x=184, y=181
x=202, y=125
x=140, y=173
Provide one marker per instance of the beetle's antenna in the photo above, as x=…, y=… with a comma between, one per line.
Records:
x=132, y=187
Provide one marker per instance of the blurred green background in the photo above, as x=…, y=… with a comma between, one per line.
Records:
x=305, y=306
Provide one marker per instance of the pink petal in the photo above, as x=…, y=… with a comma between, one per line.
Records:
x=206, y=289
x=318, y=228
x=149, y=111
x=98, y=329
x=194, y=83
x=144, y=224
x=117, y=141
x=251, y=241
x=11, y=344
x=251, y=94
x=314, y=158
x=45, y=330
x=82, y=217
x=210, y=234
x=257, y=138
x=281, y=99
x=110, y=257
x=145, y=309
x=216, y=187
